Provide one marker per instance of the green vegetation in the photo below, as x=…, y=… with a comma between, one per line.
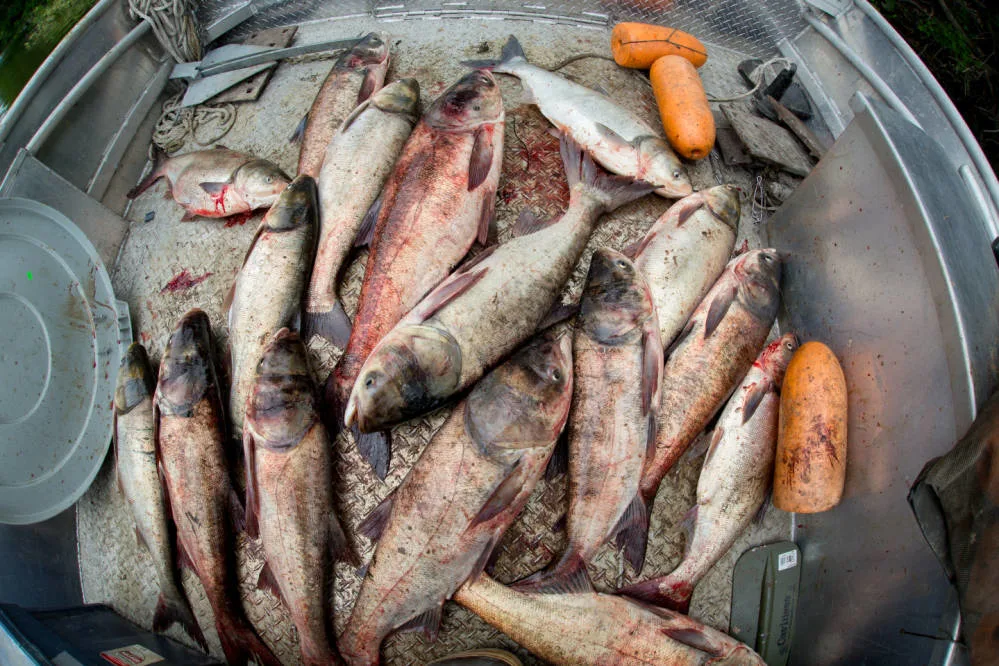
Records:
x=30, y=23
x=957, y=40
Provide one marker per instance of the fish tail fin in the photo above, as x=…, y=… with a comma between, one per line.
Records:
x=159, y=158
x=665, y=592
x=332, y=325
x=242, y=645
x=566, y=576
x=633, y=533
x=609, y=190
x=511, y=54
x=172, y=608
x=376, y=448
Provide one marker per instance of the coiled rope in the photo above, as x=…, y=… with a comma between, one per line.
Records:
x=174, y=24
x=176, y=123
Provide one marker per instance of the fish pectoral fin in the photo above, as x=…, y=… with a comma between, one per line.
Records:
x=468, y=264
x=633, y=533
x=716, y=311
x=527, y=223
x=237, y=513
x=765, y=505
x=502, y=497
x=299, y=133
x=374, y=447
x=558, y=462
x=267, y=581
x=366, y=233
x=652, y=366
x=333, y=325
x=358, y=110
x=339, y=545
x=485, y=557
x=480, y=163
x=610, y=136
x=429, y=622
x=679, y=339
x=559, y=313
x=374, y=525
x=252, y=502
x=687, y=526
x=184, y=560
x=450, y=289
x=716, y=437
x=634, y=249
x=188, y=216
x=701, y=445
x=213, y=187
x=370, y=85
x=487, y=221
x=754, y=396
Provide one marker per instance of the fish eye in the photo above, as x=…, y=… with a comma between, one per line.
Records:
x=767, y=258
x=620, y=263
x=476, y=108
x=556, y=375
x=270, y=179
x=369, y=382
x=676, y=174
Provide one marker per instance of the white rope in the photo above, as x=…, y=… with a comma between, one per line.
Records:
x=173, y=23
x=176, y=123
x=757, y=76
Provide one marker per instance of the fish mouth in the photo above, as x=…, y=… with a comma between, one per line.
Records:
x=350, y=414
x=672, y=191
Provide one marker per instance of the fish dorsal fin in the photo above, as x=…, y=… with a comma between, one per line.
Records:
x=652, y=366
x=299, y=133
x=487, y=217
x=451, y=289
x=754, y=396
x=716, y=311
x=429, y=622
x=481, y=161
x=502, y=496
x=374, y=525
x=252, y=501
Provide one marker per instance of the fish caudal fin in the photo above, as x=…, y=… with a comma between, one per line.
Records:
x=241, y=644
x=376, y=448
x=664, y=592
x=159, y=158
x=633, y=533
x=511, y=54
x=332, y=325
x=567, y=576
x=609, y=190
x=175, y=609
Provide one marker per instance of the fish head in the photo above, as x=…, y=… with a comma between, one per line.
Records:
x=402, y=97
x=260, y=183
x=615, y=299
x=777, y=355
x=295, y=207
x=474, y=100
x=371, y=50
x=135, y=379
x=723, y=202
x=664, y=168
x=412, y=370
x=523, y=403
x=282, y=404
x=758, y=273
x=187, y=371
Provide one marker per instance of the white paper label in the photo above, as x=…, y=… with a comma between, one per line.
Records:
x=131, y=655
x=787, y=560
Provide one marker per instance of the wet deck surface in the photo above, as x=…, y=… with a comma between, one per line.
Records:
x=116, y=571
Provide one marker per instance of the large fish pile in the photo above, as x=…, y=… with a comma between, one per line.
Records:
x=663, y=335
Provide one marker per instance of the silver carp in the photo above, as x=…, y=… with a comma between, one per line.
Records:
x=734, y=480
x=619, y=140
x=139, y=481
x=440, y=526
x=485, y=309
x=358, y=162
x=268, y=292
x=685, y=251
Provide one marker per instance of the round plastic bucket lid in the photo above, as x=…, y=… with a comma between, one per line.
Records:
x=59, y=356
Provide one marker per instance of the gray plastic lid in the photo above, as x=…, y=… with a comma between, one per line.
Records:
x=59, y=357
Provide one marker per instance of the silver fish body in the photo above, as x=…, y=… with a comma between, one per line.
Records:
x=685, y=251
x=267, y=294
